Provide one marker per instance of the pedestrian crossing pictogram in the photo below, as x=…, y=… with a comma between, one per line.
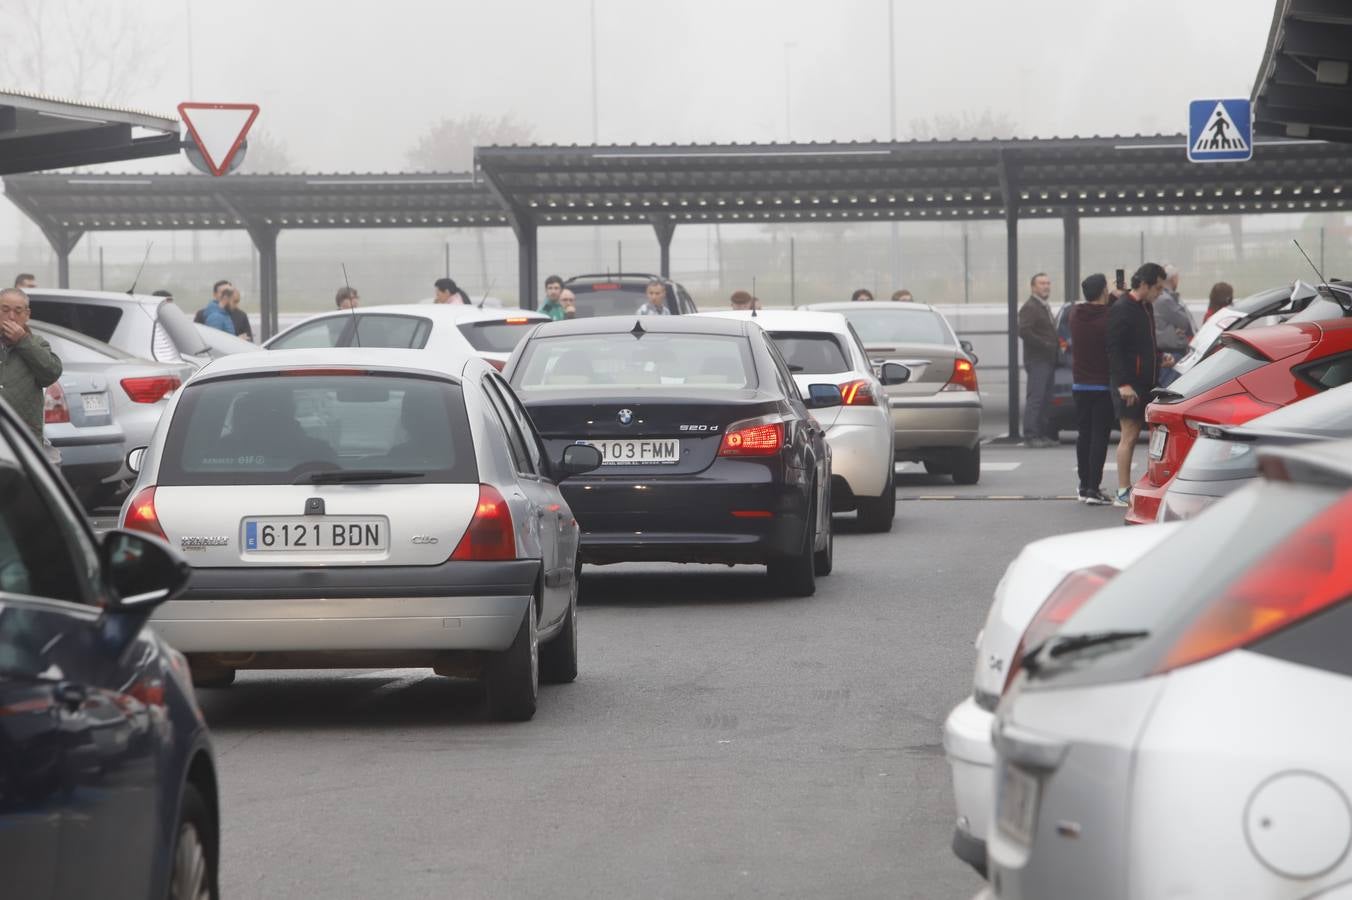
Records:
x=1219, y=131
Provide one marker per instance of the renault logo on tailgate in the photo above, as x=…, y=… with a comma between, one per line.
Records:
x=626, y=416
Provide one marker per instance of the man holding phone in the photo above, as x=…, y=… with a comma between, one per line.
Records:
x=1133, y=366
x=27, y=363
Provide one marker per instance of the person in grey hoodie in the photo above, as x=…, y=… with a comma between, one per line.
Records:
x=1174, y=327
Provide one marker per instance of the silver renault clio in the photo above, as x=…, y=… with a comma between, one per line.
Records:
x=364, y=508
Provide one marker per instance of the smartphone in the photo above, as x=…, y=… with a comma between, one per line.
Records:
x=1121, y=279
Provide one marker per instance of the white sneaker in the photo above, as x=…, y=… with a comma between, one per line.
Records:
x=1123, y=497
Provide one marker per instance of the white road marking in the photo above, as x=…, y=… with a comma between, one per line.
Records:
x=915, y=468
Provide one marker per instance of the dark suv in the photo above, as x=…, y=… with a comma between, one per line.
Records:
x=107, y=781
x=623, y=294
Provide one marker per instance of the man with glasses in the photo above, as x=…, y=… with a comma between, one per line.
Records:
x=27, y=363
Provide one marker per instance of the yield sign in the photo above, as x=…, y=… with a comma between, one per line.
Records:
x=218, y=130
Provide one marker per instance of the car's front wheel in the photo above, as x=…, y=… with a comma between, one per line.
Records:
x=512, y=677
x=193, y=876
x=877, y=513
x=558, y=658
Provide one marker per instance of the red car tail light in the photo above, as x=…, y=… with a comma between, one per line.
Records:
x=745, y=439
x=141, y=515
x=498, y=364
x=857, y=393
x=1235, y=409
x=963, y=377
x=1060, y=605
x=1305, y=574
x=150, y=390
x=490, y=535
x=54, y=407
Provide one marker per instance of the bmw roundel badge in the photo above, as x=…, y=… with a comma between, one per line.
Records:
x=626, y=416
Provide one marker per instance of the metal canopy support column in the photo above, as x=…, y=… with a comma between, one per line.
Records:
x=1009, y=190
x=1070, y=224
x=62, y=238
x=264, y=238
x=527, y=264
x=665, y=227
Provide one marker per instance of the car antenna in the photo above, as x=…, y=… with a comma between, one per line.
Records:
x=487, y=291
x=1322, y=279
x=356, y=330
x=137, y=280
x=753, y=296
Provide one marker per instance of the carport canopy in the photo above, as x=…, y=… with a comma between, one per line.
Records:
x=39, y=132
x=1304, y=86
x=67, y=206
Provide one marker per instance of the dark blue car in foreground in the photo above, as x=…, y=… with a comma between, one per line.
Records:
x=107, y=780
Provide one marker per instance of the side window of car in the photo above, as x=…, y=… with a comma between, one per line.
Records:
x=523, y=421
x=324, y=333
x=43, y=550
x=521, y=457
x=1329, y=373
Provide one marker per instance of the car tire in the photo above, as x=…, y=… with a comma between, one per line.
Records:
x=824, y=560
x=876, y=513
x=512, y=677
x=967, y=466
x=558, y=658
x=211, y=676
x=796, y=576
x=938, y=467
x=193, y=875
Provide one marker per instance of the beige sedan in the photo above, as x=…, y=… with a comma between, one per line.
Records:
x=936, y=414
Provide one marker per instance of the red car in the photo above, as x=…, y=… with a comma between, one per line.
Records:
x=1250, y=373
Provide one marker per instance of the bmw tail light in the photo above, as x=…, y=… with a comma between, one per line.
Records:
x=141, y=515
x=54, y=407
x=1060, y=605
x=963, y=377
x=490, y=535
x=150, y=390
x=857, y=393
x=752, y=439
x=1305, y=574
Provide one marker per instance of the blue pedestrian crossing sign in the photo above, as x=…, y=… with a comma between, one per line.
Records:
x=1220, y=131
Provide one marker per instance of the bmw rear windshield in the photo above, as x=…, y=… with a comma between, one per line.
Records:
x=621, y=361
x=287, y=428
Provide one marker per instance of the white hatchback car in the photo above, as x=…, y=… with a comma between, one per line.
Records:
x=460, y=329
x=1045, y=582
x=364, y=507
x=821, y=347
x=1184, y=733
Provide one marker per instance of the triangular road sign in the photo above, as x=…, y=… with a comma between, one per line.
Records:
x=1220, y=134
x=218, y=130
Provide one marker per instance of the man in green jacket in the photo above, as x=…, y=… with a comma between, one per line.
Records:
x=27, y=363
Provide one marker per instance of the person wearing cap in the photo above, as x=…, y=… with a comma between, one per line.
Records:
x=1089, y=386
x=743, y=300
x=448, y=292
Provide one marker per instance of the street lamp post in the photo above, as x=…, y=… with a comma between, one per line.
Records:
x=894, y=249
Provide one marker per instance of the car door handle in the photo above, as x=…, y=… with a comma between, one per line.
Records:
x=71, y=695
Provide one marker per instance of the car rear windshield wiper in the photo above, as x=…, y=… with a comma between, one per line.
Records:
x=347, y=475
x=1076, y=642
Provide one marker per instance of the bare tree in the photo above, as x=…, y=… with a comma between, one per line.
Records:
x=85, y=49
x=964, y=125
x=267, y=154
x=448, y=146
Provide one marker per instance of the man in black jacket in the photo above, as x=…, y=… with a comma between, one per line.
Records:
x=1133, y=365
x=1040, y=344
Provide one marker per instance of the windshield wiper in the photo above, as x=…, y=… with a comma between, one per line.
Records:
x=1077, y=642
x=347, y=475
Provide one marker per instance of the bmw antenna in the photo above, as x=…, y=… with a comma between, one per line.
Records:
x=356, y=331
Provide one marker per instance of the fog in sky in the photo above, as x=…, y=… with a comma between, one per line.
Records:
x=350, y=84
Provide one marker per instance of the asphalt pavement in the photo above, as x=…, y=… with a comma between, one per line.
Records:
x=720, y=741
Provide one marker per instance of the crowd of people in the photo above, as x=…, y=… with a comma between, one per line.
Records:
x=1121, y=343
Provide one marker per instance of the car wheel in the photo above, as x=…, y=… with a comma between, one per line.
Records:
x=512, y=677
x=558, y=658
x=937, y=467
x=205, y=676
x=194, y=874
x=877, y=513
x=825, y=559
x=796, y=575
x=967, y=466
